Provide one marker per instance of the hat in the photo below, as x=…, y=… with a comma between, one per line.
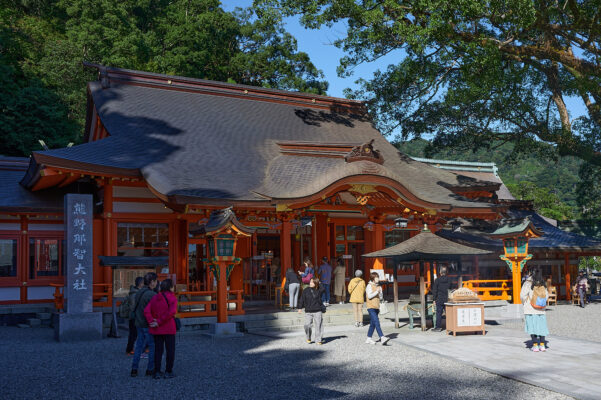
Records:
x=358, y=273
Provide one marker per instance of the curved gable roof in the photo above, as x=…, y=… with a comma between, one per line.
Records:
x=186, y=140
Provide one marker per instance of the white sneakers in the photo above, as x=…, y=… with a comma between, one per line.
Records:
x=383, y=340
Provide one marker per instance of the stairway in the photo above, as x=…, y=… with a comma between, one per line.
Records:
x=287, y=320
x=42, y=319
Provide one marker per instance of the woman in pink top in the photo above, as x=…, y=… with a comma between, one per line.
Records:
x=160, y=314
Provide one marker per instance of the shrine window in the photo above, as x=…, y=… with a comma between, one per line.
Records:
x=395, y=237
x=349, y=232
x=8, y=257
x=148, y=240
x=45, y=258
x=354, y=232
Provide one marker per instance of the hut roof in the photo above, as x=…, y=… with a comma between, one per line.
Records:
x=426, y=246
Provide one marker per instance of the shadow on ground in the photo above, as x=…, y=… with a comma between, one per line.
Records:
x=252, y=367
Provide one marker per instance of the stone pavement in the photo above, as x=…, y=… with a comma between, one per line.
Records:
x=570, y=366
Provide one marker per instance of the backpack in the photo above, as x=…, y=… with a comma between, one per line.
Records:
x=539, y=298
x=125, y=308
x=137, y=299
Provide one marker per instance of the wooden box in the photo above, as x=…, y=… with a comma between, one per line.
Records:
x=465, y=317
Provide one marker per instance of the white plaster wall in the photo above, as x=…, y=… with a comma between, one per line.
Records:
x=45, y=227
x=10, y=227
x=10, y=293
x=40, y=293
x=134, y=207
x=135, y=192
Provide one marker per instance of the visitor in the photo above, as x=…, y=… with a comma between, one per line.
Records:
x=339, y=281
x=534, y=298
x=144, y=339
x=275, y=270
x=308, y=273
x=325, y=278
x=131, y=299
x=292, y=287
x=374, y=295
x=581, y=287
x=160, y=315
x=311, y=301
x=440, y=294
x=356, y=289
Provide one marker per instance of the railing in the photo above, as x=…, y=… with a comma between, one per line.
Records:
x=207, y=306
x=102, y=295
x=59, y=298
x=484, y=288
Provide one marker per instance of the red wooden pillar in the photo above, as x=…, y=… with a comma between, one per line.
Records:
x=222, y=293
x=321, y=232
x=566, y=268
x=378, y=244
x=108, y=237
x=24, y=259
x=285, y=245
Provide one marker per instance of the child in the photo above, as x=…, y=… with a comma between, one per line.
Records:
x=534, y=296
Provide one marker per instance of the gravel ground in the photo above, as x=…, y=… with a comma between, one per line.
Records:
x=572, y=321
x=252, y=367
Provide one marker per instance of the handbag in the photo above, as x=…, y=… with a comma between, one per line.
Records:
x=384, y=308
x=178, y=323
x=307, y=278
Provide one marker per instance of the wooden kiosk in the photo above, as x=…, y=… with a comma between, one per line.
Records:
x=465, y=312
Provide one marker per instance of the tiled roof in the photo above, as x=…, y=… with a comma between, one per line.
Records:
x=477, y=170
x=553, y=238
x=426, y=246
x=14, y=197
x=200, y=144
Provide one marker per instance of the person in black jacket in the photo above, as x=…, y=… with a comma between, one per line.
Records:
x=440, y=293
x=311, y=301
x=292, y=287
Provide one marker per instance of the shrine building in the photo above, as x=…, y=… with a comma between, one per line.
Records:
x=310, y=174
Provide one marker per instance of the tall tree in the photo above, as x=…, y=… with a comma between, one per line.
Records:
x=43, y=44
x=474, y=72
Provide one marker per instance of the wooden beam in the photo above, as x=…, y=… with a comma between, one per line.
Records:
x=395, y=293
x=422, y=298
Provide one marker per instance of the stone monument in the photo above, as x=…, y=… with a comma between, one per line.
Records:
x=79, y=322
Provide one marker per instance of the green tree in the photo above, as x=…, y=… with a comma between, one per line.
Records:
x=544, y=201
x=474, y=72
x=44, y=42
x=559, y=176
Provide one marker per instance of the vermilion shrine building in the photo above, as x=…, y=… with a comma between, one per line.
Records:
x=310, y=173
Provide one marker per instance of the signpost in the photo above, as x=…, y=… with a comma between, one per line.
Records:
x=79, y=322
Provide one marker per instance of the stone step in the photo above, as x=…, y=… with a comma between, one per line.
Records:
x=297, y=323
x=34, y=322
x=43, y=315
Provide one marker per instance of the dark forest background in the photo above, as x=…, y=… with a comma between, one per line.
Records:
x=43, y=84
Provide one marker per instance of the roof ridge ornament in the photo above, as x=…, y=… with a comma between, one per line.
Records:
x=364, y=152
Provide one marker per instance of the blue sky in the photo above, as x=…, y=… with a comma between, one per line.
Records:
x=325, y=56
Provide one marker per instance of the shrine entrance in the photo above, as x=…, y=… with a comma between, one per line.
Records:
x=350, y=246
x=199, y=276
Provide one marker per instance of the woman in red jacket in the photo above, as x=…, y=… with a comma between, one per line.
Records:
x=160, y=313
